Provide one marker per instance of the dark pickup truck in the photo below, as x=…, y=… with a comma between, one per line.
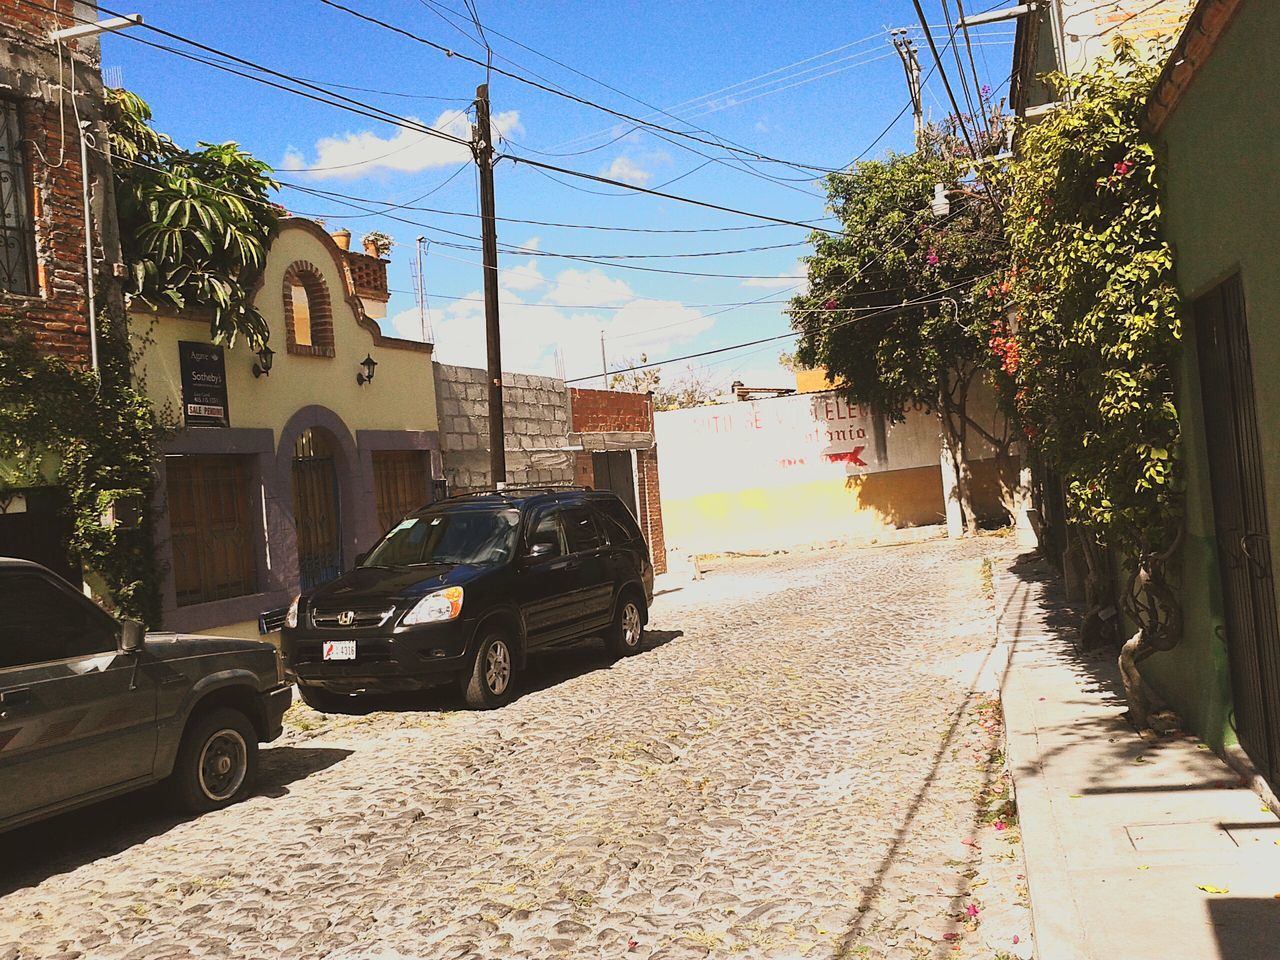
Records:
x=91, y=706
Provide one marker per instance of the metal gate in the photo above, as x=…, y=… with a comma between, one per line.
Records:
x=612, y=471
x=315, y=511
x=1240, y=519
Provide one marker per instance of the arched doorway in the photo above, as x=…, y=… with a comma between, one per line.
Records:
x=316, y=513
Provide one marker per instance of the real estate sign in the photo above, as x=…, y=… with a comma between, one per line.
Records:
x=204, y=385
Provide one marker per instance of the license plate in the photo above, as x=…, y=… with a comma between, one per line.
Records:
x=340, y=650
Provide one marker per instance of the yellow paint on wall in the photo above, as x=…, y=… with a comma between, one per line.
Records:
x=856, y=507
x=401, y=396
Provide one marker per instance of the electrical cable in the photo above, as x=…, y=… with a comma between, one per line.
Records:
x=919, y=301
x=563, y=93
x=937, y=59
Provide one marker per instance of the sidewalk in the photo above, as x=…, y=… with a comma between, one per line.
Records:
x=1119, y=833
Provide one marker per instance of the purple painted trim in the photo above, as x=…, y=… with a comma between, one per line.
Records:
x=271, y=472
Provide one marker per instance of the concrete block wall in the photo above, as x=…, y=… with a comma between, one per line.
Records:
x=536, y=420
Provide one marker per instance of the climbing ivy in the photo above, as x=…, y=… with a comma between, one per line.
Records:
x=97, y=439
x=194, y=227
x=1093, y=312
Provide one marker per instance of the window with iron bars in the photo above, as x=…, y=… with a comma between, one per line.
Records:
x=17, y=233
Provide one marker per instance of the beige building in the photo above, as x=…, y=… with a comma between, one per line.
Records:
x=285, y=466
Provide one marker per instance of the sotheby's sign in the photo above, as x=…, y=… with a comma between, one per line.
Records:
x=204, y=385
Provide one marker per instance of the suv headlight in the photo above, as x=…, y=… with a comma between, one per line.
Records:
x=291, y=618
x=436, y=607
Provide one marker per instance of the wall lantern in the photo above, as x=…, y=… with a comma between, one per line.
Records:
x=368, y=363
x=263, y=366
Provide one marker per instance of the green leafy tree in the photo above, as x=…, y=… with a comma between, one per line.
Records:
x=890, y=310
x=194, y=224
x=1095, y=331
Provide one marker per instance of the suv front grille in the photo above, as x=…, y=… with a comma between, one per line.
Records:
x=352, y=618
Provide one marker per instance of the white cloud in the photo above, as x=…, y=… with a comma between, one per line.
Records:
x=628, y=171
x=798, y=275
x=533, y=329
x=405, y=151
x=588, y=287
x=525, y=276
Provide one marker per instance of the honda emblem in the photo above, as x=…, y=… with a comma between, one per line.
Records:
x=346, y=618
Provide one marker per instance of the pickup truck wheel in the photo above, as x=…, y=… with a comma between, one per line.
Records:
x=627, y=632
x=217, y=761
x=490, y=682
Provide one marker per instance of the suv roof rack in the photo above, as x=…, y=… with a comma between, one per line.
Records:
x=524, y=489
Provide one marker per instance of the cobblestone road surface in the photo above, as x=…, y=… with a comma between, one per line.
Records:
x=795, y=767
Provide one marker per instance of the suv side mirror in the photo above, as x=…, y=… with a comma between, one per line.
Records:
x=132, y=636
x=537, y=550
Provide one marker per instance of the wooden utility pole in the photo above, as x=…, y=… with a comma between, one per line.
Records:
x=482, y=146
x=906, y=48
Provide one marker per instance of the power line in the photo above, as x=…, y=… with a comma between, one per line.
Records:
x=937, y=59
x=401, y=121
x=657, y=193
x=919, y=301
x=566, y=94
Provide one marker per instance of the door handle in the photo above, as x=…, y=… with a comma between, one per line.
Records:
x=11, y=697
x=1244, y=548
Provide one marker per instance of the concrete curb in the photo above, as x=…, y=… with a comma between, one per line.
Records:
x=1134, y=849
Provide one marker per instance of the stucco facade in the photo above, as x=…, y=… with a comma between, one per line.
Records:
x=319, y=460
x=1221, y=162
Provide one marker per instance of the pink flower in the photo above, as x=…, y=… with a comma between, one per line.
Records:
x=1000, y=825
x=1123, y=167
x=1015, y=938
x=951, y=936
x=972, y=910
x=830, y=304
x=933, y=259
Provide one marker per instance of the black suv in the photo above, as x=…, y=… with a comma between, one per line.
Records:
x=465, y=588
x=91, y=706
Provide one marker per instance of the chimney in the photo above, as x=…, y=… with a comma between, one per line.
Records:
x=370, y=248
x=342, y=238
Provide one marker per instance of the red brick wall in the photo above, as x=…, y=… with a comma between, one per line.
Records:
x=56, y=312
x=584, y=471
x=651, y=507
x=602, y=411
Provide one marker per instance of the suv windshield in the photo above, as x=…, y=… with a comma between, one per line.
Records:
x=456, y=536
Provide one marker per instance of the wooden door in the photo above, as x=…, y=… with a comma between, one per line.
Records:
x=1240, y=520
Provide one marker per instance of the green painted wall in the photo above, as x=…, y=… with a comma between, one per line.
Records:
x=1222, y=212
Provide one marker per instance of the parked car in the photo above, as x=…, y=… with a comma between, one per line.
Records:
x=465, y=589
x=91, y=706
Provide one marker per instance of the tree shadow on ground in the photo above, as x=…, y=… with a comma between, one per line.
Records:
x=850, y=945
x=544, y=670
x=61, y=844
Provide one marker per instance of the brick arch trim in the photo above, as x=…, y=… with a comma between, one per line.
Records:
x=305, y=274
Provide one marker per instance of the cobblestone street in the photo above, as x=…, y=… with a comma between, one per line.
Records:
x=798, y=765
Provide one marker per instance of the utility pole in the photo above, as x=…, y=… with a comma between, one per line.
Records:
x=906, y=48
x=482, y=146
x=604, y=366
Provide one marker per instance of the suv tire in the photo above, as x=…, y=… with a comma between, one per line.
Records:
x=626, y=635
x=217, y=761
x=490, y=682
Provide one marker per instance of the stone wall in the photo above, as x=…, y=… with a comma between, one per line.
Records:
x=536, y=418
x=55, y=310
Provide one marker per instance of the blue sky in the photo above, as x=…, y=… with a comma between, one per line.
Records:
x=813, y=82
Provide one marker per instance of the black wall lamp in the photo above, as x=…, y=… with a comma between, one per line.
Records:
x=263, y=366
x=368, y=363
